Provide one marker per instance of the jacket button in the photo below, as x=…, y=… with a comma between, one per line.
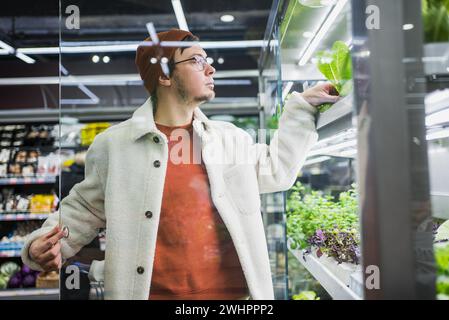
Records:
x=149, y=214
x=156, y=139
x=140, y=270
x=157, y=163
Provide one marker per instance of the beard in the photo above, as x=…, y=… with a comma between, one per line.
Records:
x=183, y=95
x=204, y=98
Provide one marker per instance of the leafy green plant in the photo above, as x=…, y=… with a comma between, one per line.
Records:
x=315, y=219
x=442, y=263
x=336, y=66
x=442, y=259
x=306, y=295
x=436, y=20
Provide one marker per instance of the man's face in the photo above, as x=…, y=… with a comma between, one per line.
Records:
x=192, y=85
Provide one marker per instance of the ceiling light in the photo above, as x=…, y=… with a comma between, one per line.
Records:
x=437, y=96
x=227, y=18
x=220, y=60
x=408, y=26
x=179, y=12
x=40, y=50
x=348, y=153
x=307, y=34
x=316, y=160
x=123, y=79
x=232, y=44
x=437, y=118
x=209, y=60
x=331, y=148
x=95, y=59
x=349, y=134
x=102, y=46
x=106, y=59
x=325, y=27
x=7, y=48
x=153, y=35
x=25, y=58
x=438, y=134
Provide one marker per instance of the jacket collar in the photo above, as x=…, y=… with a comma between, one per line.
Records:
x=142, y=121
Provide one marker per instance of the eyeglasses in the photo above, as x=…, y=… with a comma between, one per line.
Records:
x=200, y=62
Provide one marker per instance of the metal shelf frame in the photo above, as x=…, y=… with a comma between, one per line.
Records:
x=10, y=253
x=22, y=216
x=27, y=180
x=29, y=294
x=336, y=287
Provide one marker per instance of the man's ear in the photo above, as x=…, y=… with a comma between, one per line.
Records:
x=164, y=81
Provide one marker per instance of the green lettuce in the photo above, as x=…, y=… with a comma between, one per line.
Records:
x=336, y=66
x=436, y=20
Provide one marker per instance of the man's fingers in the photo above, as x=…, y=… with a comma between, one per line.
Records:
x=56, y=237
x=51, y=254
x=53, y=231
x=52, y=265
x=48, y=243
x=330, y=99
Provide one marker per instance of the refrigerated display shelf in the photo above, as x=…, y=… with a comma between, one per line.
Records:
x=10, y=253
x=440, y=205
x=337, y=119
x=341, y=283
x=341, y=109
x=32, y=148
x=28, y=180
x=31, y=293
x=22, y=216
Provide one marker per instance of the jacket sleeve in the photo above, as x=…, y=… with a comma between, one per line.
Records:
x=278, y=164
x=82, y=211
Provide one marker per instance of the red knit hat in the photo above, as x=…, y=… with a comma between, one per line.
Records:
x=150, y=72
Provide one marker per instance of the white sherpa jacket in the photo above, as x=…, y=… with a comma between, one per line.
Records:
x=122, y=183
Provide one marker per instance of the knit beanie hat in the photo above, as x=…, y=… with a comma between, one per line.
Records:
x=150, y=72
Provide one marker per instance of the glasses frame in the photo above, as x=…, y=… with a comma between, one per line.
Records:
x=196, y=58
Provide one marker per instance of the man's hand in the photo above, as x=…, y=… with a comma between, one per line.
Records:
x=46, y=250
x=321, y=93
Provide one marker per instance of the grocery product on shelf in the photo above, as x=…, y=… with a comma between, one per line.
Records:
x=43, y=203
x=23, y=278
x=89, y=132
x=47, y=280
x=26, y=151
x=28, y=163
x=26, y=135
x=17, y=203
x=15, y=239
x=48, y=165
x=7, y=270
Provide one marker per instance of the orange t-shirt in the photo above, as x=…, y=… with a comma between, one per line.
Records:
x=195, y=257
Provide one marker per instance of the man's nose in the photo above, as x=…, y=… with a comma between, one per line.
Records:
x=210, y=70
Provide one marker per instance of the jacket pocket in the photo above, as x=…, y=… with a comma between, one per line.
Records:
x=243, y=188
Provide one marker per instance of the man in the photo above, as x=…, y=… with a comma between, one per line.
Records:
x=188, y=229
